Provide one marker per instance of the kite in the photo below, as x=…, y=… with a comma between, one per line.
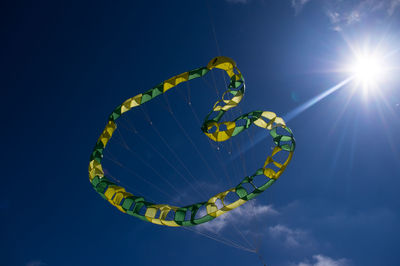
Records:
x=164, y=214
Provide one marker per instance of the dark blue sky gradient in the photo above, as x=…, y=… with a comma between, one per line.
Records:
x=66, y=65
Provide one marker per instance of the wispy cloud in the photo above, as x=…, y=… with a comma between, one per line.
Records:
x=345, y=13
x=36, y=263
x=321, y=260
x=289, y=237
x=298, y=5
x=239, y=215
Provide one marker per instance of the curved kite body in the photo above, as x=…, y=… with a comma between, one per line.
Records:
x=215, y=130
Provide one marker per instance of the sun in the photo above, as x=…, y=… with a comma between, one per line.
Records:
x=368, y=69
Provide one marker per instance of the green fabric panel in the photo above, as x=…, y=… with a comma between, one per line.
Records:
x=232, y=92
x=273, y=133
x=99, y=145
x=197, y=73
x=157, y=90
x=103, y=185
x=97, y=155
x=139, y=203
x=146, y=97
x=237, y=130
x=248, y=123
x=139, y=199
x=287, y=147
x=187, y=223
x=137, y=207
x=203, y=219
x=279, y=138
x=252, y=195
x=238, y=83
x=241, y=191
x=127, y=204
x=130, y=212
x=286, y=138
x=180, y=215
x=259, y=172
x=102, y=195
x=115, y=114
x=204, y=71
x=219, y=116
x=267, y=185
x=95, y=181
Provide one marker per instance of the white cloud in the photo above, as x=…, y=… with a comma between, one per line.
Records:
x=36, y=263
x=333, y=16
x=242, y=214
x=321, y=260
x=298, y=5
x=289, y=237
x=353, y=17
x=345, y=13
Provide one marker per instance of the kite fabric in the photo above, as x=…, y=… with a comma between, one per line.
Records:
x=164, y=214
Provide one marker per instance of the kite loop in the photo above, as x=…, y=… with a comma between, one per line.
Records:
x=164, y=214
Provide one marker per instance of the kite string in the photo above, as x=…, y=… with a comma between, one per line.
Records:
x=222, y=165
x=243, y=163
x=214, y=33
x=219, y=53
x=191, y=141
x=133, y=173
x=249, y=135
x=229, y=116
x=133, y=130
x=217, y=237
x=126, y=146
x=169, y=147
x=196, y=117
x=221, y=240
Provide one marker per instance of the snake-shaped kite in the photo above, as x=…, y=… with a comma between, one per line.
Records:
x=135, y=205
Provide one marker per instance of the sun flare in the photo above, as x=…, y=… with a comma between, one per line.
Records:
x=368, y=69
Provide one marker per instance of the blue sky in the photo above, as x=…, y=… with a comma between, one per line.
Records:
x=66, y=65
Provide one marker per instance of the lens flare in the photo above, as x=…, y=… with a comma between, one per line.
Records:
x=368, y=69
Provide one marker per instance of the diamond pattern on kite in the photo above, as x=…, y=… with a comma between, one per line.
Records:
x=190, y=215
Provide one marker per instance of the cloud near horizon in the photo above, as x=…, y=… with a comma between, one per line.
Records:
x=289, y=237
x=321, y=260
x=242, y=214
